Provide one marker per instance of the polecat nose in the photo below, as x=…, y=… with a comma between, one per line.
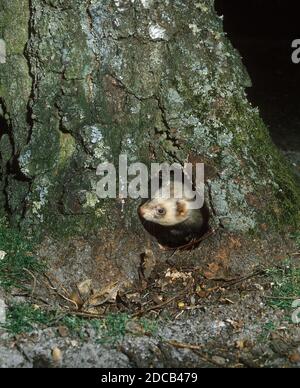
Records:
x=141, y=212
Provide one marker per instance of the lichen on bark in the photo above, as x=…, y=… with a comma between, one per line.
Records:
x=158, y=80
x=15, y=89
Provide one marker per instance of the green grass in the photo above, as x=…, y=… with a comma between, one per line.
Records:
x=286, y=281
x=296, y=237
x=76, y=325
x=18, y=260
x=23, y=318
x=267, y=330
x=149, y=326
x=113, y=328
x=286, y=286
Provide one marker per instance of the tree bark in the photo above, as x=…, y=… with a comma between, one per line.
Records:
x=86, y=81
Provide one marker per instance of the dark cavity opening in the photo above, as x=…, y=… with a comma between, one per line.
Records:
x=263, y=32
x=12, y=167
x=4, y=124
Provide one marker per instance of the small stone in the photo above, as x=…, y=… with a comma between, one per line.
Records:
x=74, y=343
x=134, y=328
x=219, y=360
x=63, y=331
x=56, y=355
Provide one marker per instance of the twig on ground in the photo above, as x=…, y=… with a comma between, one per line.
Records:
x=84, y=314
x=52, y=287
x=181, y=345
x=34, y=280
x=161, y=305
x=205, y=358
x=244, y=278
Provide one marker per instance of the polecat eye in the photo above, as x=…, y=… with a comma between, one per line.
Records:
x=161, y=211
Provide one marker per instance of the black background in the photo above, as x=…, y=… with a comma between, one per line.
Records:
x=263, y=31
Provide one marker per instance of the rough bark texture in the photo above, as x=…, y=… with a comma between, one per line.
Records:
x=158, y=80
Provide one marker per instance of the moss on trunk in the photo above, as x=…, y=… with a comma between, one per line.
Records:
x=87, y=80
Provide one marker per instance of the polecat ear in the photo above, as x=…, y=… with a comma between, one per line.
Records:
x=181, y=208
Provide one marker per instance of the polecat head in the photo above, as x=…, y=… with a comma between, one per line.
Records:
x=166, y=212
x=170, y=205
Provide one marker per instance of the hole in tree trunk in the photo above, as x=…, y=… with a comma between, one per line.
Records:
x=263, y=32
x=4, y=126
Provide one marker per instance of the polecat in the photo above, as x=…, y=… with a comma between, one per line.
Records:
x=174, y=222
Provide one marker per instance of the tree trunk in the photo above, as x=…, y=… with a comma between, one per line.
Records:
x=86, y=81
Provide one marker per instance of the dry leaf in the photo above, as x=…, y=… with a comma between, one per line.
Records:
x=76, y=298
x=222, y=254
x=106, y=295
x=237, y=325
x=157, y=299
x=264, y=227
x=201, y=292
x=235, y=243
x=85, y=288
x=213, y=269
x=173, y=274
x=295, y=358
x=240, y=345
x=217, y=272
x=134, y=297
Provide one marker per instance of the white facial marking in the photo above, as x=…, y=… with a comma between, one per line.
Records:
x=170, y=217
